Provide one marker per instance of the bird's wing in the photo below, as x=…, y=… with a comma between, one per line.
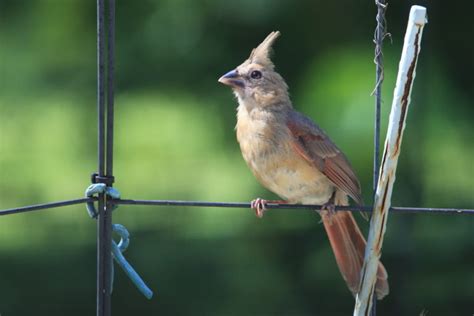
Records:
x=314, y=145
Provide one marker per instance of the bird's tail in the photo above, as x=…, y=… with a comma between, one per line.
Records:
x=348, y=245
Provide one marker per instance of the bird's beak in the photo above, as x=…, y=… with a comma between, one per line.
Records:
x=232, y=79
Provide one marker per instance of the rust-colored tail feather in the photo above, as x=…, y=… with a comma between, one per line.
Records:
x=348, y=245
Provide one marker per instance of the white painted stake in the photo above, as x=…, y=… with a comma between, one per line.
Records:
x=401, y=100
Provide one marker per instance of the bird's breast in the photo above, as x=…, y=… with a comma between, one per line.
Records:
x=267, y=148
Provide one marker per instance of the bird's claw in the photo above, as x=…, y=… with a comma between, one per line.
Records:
x=328, y=210
x=259, y=205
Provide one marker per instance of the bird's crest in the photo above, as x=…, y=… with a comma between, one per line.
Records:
x=261, y=54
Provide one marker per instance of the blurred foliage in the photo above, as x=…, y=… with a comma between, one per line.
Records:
x=175, y=140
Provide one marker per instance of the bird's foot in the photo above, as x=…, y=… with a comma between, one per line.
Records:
x=328, y=209
x=260, y=205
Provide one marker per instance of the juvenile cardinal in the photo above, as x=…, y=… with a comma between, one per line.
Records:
x=291, y=156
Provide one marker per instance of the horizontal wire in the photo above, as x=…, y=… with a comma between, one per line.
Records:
x=38, y=207
x=287, y=206
x=398, y=209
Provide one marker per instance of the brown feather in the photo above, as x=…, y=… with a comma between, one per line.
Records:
x=316, y=147
x=261, y=54
x=348, y=245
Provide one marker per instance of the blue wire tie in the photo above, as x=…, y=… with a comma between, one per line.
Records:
x=97, y=188
x=120, y=230
x=123, y=263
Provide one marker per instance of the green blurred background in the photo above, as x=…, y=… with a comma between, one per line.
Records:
x=175, y=140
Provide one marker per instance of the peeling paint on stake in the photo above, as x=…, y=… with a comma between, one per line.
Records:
x=401, y=100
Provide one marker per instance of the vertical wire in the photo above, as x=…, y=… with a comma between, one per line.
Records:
x=103, y=246
x=103, y=289
x=379, y=76
x=100, y=88
x=107, y=214
x=110, y=87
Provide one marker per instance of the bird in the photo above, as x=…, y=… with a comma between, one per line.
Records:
x=294, y=158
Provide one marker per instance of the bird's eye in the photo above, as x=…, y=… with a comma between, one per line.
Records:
x=256, y=74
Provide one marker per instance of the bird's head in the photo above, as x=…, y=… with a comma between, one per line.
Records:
x=255, y=82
